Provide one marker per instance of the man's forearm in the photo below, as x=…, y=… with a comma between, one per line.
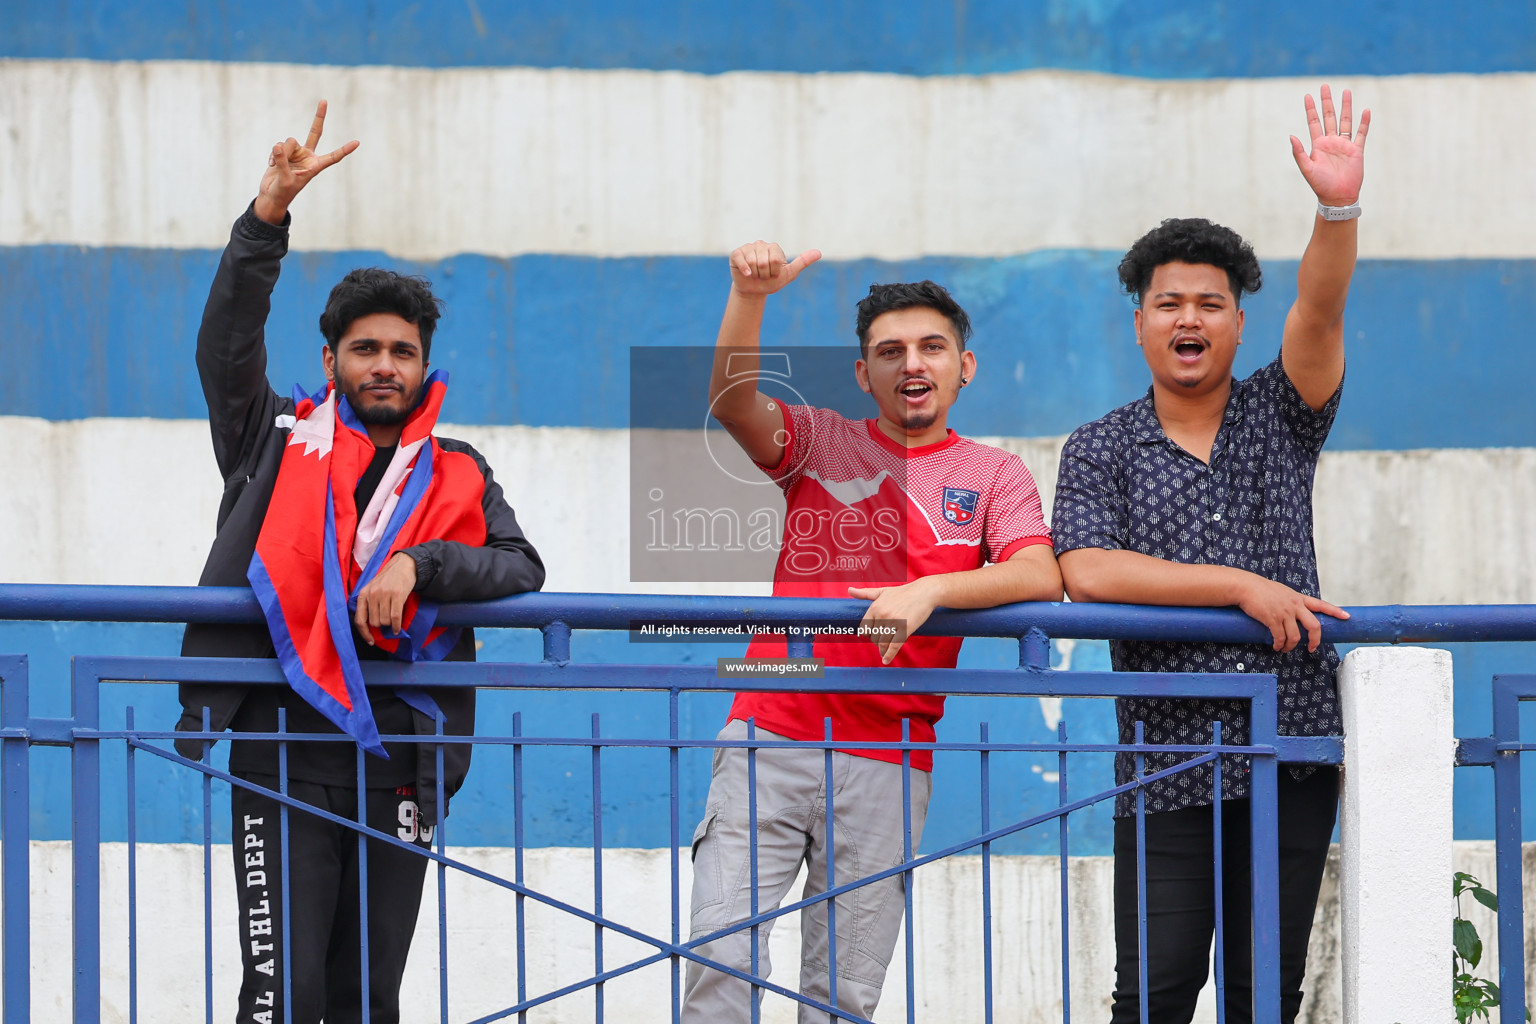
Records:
x=269, y=210
x=1128, y=577
x=1313, y=345
x=1031, y=575
x=505, y=564
x=736, y=355
x=465, y=572
x=240, y=297
x=1322, y=281
x=231, y=347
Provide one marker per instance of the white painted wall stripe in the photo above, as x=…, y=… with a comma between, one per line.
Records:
x=133, y=501
x=611, y=163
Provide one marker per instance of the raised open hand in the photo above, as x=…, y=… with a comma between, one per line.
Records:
x=1336, y=166
x=759, y=268
x=291, y=166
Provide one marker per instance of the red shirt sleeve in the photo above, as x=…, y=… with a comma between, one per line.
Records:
x=1014, y=517
x=801, y=425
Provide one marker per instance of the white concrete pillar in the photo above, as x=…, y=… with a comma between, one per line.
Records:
x=1396, y=835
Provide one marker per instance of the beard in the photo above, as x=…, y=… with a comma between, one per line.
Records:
x=919, y=421
x=378, y=415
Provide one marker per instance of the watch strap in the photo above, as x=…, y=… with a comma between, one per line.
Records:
x=1349, y=212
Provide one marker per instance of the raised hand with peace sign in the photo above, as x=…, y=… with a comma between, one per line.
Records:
x=291, y=166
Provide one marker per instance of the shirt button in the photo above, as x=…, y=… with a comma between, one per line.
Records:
x=1216, y=517
x=1239, y=666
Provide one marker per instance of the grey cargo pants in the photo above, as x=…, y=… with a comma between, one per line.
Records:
x=792, y=828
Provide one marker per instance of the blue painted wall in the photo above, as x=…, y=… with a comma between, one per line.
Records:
x=1204, y=38
x=1434, y=355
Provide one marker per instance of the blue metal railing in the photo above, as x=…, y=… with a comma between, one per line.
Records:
x=555, y=615
x=1501, y=752
x=1390, y=624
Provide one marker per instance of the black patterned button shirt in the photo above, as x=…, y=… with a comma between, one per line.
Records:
x=1123, y=485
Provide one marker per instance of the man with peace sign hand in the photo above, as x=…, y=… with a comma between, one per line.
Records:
x=1200, y=493
x=351, y=520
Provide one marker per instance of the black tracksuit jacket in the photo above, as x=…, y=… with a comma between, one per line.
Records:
x=248, y=444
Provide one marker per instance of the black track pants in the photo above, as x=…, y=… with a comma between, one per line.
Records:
x=323, y=871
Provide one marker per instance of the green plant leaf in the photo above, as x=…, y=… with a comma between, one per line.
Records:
x=1471, y=996
x=1464, y=937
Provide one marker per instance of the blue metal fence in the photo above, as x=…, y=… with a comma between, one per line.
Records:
x=1501, y=752
x=555, y=616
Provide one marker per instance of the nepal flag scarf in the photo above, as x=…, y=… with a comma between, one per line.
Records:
x=316, y=549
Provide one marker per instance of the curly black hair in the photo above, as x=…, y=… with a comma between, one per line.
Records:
x=887, y=298
x=1191, y=240
x=369, y=290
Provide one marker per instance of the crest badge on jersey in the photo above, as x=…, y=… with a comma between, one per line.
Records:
x=959, y=505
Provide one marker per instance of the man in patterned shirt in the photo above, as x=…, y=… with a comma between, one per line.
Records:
x=932, y=519
x=1200, y=493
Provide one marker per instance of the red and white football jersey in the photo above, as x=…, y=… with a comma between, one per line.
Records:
x=863, y=510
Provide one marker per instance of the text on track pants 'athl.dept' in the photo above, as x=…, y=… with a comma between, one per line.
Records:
x=325, y=943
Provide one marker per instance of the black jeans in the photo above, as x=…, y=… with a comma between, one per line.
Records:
x=1181, y=901
x=326, y=940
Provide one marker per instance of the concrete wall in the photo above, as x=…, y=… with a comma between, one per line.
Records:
x=568, y=215
x=620, y=163
x=1393, y=527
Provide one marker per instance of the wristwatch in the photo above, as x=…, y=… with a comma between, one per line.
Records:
x=1349, y=212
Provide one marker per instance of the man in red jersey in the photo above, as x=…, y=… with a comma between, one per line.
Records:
x=928, y=519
